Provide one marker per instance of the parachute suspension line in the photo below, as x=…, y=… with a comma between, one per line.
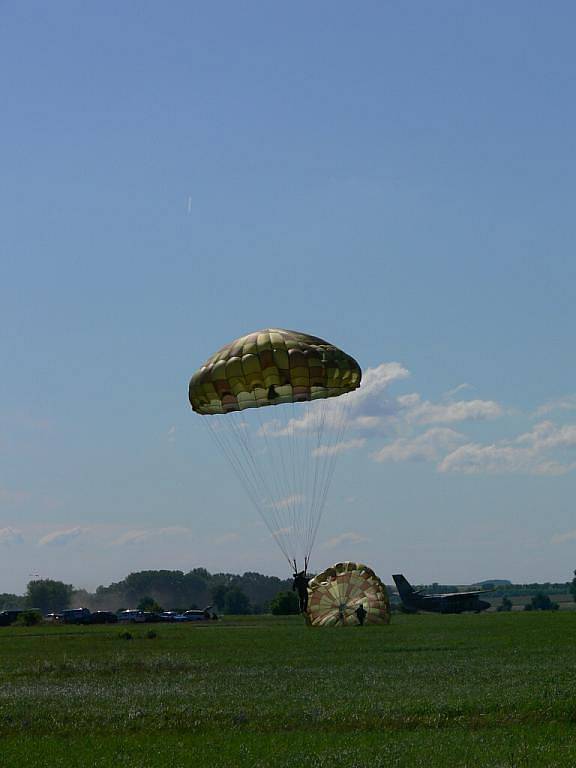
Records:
x=245, y=472
x=306, y=508
x=285, y=465
x=282, y=500
x=234, y=440
x=220, y=438
x=319, y=420
x=287, y=444
x=342, y=411
x=303, y=435
x=295, y=497
x=243, y=436
x=297, y=458
x=285, y=461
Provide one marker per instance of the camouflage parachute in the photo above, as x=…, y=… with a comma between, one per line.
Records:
x=285, y=458
x=271, y=367
x=335, y=595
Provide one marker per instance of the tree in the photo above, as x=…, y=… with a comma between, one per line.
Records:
x=197, y=587
x=28, y=619
x=48, y=595
x=506, y=604
x=219, y=596
x=541, y=602
x=236, y=601
x=8, y=600
x=573, y=587
x=149, y=604
x=261, y=589
x=284, y=604
x=167, y=588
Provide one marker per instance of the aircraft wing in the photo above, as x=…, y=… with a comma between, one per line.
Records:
x=466, y=594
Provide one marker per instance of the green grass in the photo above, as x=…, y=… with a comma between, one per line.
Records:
x=487, y=690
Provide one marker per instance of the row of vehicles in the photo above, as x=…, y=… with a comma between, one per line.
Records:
x=129, y=616
x=134, y=616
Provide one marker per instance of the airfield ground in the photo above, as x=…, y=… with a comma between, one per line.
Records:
x=470, y=690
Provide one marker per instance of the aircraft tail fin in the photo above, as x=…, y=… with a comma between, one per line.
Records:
x=405, y=589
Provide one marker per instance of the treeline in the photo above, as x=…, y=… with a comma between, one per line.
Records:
x=528, y=590
x=170, y=590
x=231, y=593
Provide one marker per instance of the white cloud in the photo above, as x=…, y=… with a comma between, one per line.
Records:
x=282, y=531
x=60, y=538
x=566, y=403
x=369, y=397
x=525, y=454
x=428, y=446
x=227, y=538
x=455, y=390
x=288, y=501
x=473, y=459
x=171, y=434
x=367, y=408
x=416, y=429
x=372, y=409
x=553, y=468
x=547, y=435
x=342, y=447
x=142, y=536
x=369, y=411
x=562, y=538
x=418, y=411
x=8, y=496
x=350, y=537
x=10, y=536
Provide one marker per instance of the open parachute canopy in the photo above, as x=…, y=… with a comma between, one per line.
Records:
x=335, y=595
x=285, y=456
x=271, y=367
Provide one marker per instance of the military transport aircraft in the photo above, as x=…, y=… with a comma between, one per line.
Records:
x=454, y=602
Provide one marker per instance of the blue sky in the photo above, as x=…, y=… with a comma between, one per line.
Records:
x=397, y=179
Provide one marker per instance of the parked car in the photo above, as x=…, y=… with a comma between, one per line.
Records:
x=131, y=616
x=103, y=617
x=168, y=615
x=9, y=616
x=151, y=618
x=53, y=618
x=75, y=616
x=193, y=615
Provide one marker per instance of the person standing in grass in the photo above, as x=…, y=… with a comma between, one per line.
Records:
x=300, y=585
x=360, y=614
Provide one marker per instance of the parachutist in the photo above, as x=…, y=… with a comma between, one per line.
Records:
x=361, y=614
x=240, y=382
x=300, y=585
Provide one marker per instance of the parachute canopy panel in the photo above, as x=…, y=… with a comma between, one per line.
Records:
x=335, y=595
x=271, y=367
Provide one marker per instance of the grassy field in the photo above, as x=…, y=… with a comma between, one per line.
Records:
x=479, y=690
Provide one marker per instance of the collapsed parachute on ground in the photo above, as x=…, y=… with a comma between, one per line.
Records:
x=335, y=594
x=285, y=459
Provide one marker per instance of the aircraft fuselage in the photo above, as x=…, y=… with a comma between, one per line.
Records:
x=455, y=602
